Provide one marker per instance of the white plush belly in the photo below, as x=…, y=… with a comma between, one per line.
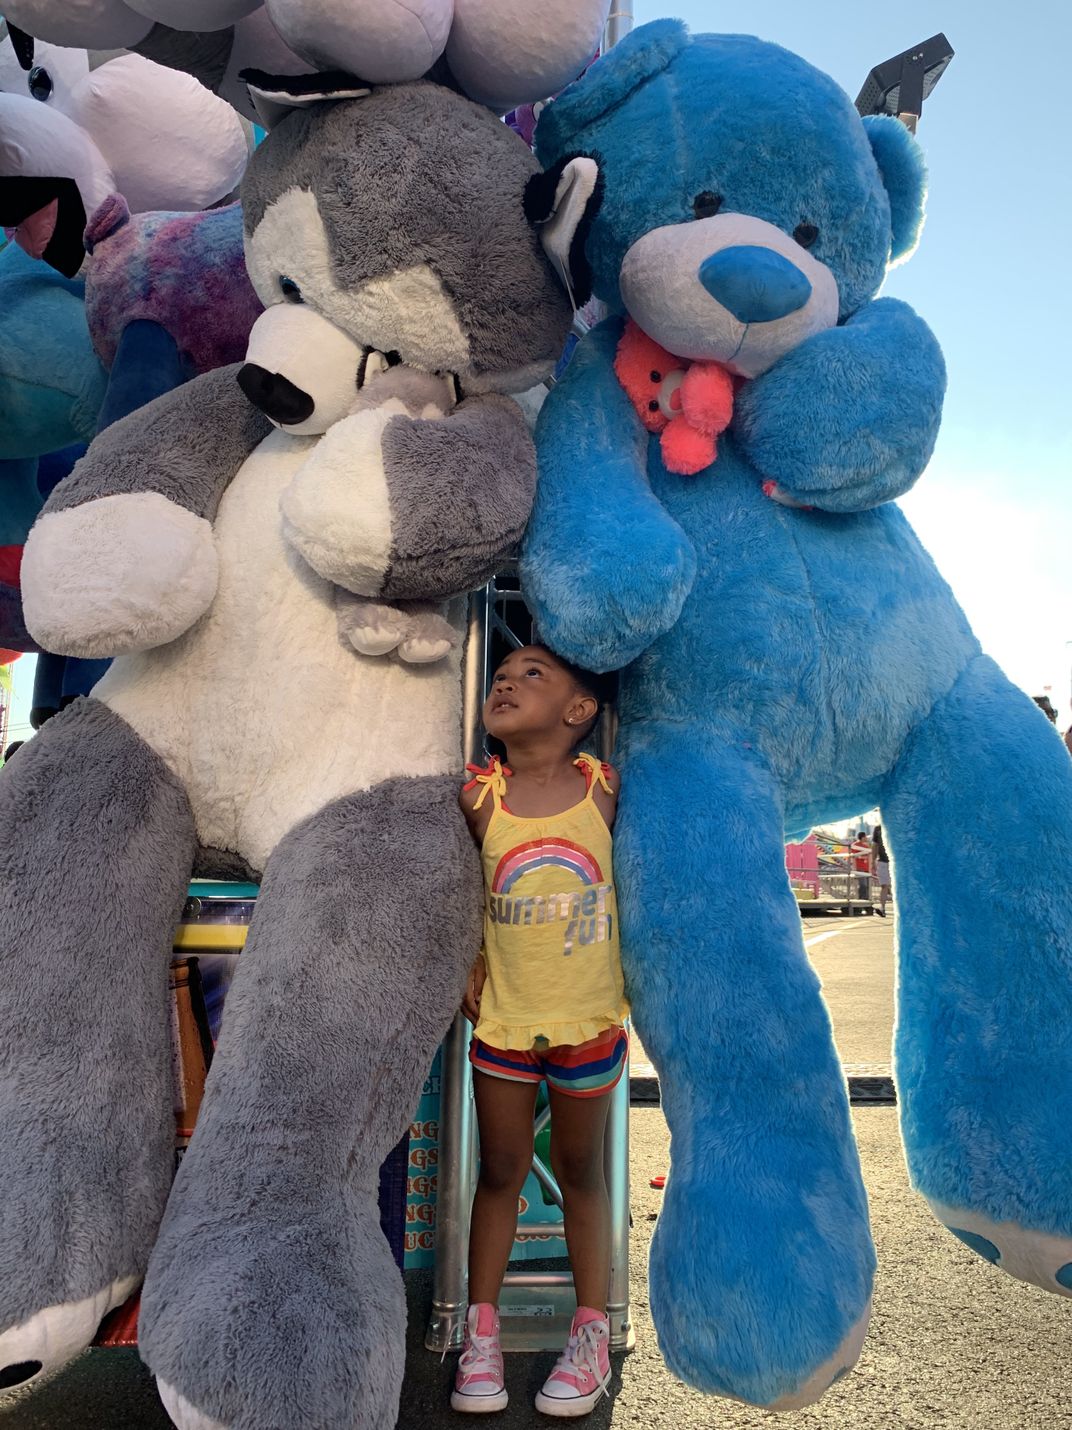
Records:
x=260, y=709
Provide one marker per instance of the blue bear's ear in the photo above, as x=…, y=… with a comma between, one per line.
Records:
x=645, y=52
x=904, y=173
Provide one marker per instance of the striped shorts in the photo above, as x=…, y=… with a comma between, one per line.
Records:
x=585, y=1070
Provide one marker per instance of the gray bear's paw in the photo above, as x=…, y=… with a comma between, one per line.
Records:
x=255, y=1326
x=417, y=633
x=47, y=1341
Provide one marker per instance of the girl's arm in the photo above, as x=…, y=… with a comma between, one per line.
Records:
x=607, y=803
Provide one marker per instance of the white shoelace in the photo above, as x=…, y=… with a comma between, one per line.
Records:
x=481, y=1357
x=582, y=1353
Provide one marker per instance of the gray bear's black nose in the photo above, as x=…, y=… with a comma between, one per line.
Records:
x=276, y=397
x=18, y=1374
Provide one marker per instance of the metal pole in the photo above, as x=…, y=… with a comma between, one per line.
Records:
x=619, y=23
x=457, y=1145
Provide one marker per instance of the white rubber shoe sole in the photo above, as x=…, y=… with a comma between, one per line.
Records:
x=478, y=1404
x=570, y=1409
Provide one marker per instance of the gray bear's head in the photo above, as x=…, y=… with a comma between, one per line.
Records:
x=392, y=228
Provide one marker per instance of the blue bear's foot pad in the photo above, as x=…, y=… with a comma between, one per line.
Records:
x=54, y=1336
x=1036, y=1256
x=182, y=1413
x=839, y=1364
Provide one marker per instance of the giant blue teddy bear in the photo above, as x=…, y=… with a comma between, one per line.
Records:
x=790, y=661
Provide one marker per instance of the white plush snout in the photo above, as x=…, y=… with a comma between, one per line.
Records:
x=297, y=343
x=662, y=289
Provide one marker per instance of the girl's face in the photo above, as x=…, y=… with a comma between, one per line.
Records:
x=531, y=694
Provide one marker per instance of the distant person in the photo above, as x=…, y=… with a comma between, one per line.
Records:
x=15, y=745
x=1045, y=704
x=860, y=850
x=880, y=869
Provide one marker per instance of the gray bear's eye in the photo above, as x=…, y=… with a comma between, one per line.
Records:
x=289, y=289
x=706, y=205
x=40, y=83
x=805, y=234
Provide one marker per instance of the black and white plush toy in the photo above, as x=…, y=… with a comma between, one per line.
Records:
x=239, y=546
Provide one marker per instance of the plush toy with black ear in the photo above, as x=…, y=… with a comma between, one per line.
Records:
x=499, y=52
x=791, y=657
x=217, y=543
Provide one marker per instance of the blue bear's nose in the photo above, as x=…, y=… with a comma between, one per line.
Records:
x=755, y=284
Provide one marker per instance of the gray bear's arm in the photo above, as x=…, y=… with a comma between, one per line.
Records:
x=401, y=508
x=122, y=557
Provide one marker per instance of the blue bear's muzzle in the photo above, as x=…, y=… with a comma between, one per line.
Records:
x=755, y=284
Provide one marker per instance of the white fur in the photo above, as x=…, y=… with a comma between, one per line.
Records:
x=661, y=288
x=410, y=312
x=93, y=24
x=383, y=41
x=509, y=52
x=59, y=1333
x=170, y=143
x=337, y=510
x=182, y=1413
x=122, y=573
x=1034, y=1256
x=195, y=14
x=293, y=340
x=39, y=141
x=318, y=721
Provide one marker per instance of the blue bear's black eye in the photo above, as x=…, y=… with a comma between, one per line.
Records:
x=805, y=234
x=40, y=83
x=706, y=205
x=289, y=289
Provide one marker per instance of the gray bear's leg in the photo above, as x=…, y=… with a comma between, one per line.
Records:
x=96, y=841
x=272, y=1302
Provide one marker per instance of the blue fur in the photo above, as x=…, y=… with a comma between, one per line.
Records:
x=787, y=667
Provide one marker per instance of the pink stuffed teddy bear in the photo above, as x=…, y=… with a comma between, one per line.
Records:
x=690, y=403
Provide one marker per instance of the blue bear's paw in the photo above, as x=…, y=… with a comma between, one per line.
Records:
x=1039, y=1257
x=617, y=593
x=764, y=1304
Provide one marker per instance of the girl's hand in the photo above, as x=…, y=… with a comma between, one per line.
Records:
x=477, y=977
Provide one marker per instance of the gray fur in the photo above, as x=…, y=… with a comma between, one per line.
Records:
x=186, y=445
x=96, y=840
x=461, y=491
x=416, y=174
x=365, y=928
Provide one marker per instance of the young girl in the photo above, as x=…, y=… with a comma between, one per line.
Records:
x=547, y=998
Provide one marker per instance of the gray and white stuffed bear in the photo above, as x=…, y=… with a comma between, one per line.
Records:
x=236, y=545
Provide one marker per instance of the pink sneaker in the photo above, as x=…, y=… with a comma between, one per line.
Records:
x=478, y=1384
x=582, y=1374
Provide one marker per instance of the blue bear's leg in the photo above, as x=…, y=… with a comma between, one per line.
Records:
x=762, y=1262
x=978, y=813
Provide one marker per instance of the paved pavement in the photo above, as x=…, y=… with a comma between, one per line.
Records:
x=953, y=1342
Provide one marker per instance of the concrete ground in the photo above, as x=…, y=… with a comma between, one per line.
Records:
x=953, y=1342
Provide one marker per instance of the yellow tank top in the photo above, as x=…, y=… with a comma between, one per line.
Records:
x=550, y=922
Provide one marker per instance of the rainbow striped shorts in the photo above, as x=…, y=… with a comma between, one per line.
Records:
x=585, y=1070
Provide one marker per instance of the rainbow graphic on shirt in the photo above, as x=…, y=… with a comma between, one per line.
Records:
x=542, y=854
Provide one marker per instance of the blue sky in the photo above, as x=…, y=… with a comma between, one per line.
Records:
x=991, y=277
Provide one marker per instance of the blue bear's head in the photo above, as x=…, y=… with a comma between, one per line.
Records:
x=726, y=193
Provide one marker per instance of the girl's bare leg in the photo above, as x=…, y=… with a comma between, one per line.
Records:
x=504, y=1113
x=578, y=1125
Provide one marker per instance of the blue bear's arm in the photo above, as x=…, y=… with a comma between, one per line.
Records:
x=604, y=567
x=849, y=419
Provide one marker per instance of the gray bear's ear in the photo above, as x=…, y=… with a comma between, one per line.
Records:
x=274, y=96
x=563, y=202
x=642, y=54
x=904, y=174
